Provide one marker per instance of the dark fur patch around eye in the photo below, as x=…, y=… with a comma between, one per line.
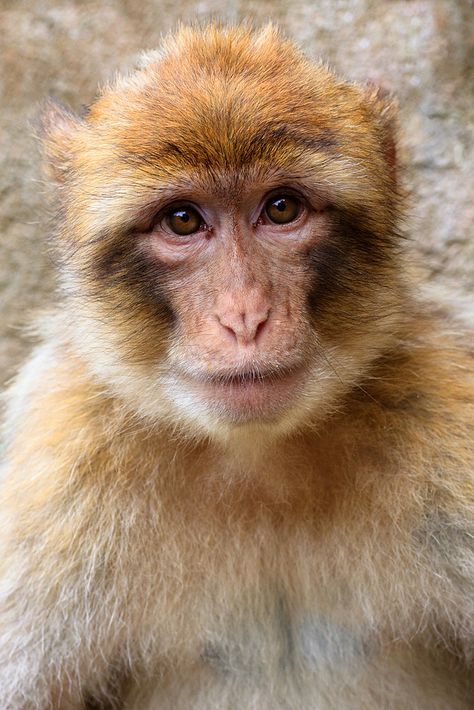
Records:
x=121, y=264
x=351, y=257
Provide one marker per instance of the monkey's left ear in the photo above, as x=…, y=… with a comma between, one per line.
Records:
x=385, y=110
x=56, y=129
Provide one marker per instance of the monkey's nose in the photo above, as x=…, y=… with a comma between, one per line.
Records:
x=244, y=327
x=243, y=314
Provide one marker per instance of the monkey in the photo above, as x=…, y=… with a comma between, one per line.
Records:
x=238, y=466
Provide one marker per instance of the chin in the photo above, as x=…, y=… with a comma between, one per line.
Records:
x=251, y=409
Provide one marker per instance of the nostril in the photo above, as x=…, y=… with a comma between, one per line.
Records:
x=261, y=326
x=229, y=330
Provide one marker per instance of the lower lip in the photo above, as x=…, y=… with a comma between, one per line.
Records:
x=260, y=399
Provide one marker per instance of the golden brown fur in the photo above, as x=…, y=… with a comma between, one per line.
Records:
x=156, y=553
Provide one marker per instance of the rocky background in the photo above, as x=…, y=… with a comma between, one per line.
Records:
x=420, y=49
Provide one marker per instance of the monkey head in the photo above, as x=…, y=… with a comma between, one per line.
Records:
x=227, y=232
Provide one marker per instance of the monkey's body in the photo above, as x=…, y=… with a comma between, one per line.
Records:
x=294, y=536
x=332, y=572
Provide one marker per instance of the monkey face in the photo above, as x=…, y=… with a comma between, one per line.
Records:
x=236, y=284
x=229, y=233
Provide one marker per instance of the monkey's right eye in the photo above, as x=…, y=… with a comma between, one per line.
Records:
x=183, y=220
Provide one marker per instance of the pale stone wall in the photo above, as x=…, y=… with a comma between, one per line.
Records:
x=421, y=49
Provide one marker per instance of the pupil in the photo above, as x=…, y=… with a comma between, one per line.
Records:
x=280, y=205
x=183, y=216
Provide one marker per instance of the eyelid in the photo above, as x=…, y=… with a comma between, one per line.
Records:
x=284, y=192
x=181, y=205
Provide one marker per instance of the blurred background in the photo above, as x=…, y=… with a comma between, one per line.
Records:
x=420, y=49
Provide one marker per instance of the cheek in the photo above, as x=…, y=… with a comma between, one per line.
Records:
x=193, y=295
x=326, y=276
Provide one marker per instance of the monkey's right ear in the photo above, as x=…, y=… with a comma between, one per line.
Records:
x=56, y=128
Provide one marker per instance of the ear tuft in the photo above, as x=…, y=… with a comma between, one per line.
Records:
x=56, y=128
x=384, y=107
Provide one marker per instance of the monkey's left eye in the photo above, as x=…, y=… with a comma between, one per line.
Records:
x=183, y=220
x=282, y=209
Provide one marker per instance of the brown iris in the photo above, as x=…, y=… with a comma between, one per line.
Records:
x=184, y=220
x=282, y=209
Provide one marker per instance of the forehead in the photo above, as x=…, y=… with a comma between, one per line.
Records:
x=223, y=106
x=222, y=110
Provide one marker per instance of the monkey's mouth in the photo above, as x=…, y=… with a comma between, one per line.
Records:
x=251, y=394
x=250, y=377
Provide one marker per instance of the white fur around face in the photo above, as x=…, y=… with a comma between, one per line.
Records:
x=160, y=396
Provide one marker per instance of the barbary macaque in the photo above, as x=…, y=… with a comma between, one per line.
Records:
x=238, y=470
